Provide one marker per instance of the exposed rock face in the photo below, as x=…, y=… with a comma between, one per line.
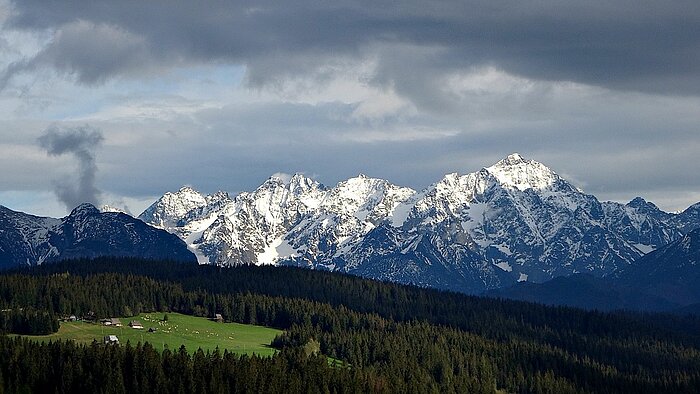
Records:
x=27, y=240
x=514, y=221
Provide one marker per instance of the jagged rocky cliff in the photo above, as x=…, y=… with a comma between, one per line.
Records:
x=516, y=220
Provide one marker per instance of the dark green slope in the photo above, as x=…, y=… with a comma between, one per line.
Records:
x=396, y=338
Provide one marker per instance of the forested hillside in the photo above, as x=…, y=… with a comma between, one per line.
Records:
x=394, y=338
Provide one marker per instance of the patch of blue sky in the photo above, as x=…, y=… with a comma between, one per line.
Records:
x=200, y=82
x=39, y=203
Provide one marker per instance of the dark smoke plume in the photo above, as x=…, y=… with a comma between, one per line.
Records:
x=81, y=142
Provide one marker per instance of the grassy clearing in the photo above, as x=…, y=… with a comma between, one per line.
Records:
x=193, y=332
x=337, y=363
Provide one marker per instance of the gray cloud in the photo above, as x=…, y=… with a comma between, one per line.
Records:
x=80, y=142
x=611, y=154
x=12, y=69
x=475, y=81
x=628, y=45
x=94, y=52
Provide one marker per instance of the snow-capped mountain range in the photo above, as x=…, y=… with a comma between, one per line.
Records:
x=516, y=220
x=663, y=280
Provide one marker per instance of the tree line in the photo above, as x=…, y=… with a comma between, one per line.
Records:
x=63, y=367
x=391, y=337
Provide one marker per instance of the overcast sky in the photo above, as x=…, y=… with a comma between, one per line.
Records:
x=120, y=101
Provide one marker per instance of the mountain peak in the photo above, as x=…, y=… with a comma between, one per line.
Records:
x=187, y=189
x=300, y=183
x=519, y=173
x=84, y=209
x=641, y=205
x=185, y=193
x=639, y=202
x=163, y=212
x=514, y=157
x=28, y=240
x=298, y=176
x=279, y=179
x=636, y=201
x=218, y=195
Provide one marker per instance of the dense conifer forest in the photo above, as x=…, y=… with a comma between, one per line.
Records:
x=390, y=338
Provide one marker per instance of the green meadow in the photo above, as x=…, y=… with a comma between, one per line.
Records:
x=193, y=332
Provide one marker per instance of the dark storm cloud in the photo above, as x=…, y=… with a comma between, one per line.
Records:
x=453, y=85
x=80, y=142
x=629, y=45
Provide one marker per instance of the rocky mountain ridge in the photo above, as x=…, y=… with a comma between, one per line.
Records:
x=663, y=280
x=27, y=240
x=516, y=220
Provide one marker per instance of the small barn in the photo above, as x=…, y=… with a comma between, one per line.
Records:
x=111, y=340
x=135, y=324
x=112, y=321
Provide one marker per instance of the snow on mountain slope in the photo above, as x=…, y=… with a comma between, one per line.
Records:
x=515, y=219
x=109, y=208
x=688, y=220
x=671, y=272
x=524, y=219
x=27, y=240
x=641, y=223
x=367, y=199
x=252, y=227
x=516, y=172
x=172, y=207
